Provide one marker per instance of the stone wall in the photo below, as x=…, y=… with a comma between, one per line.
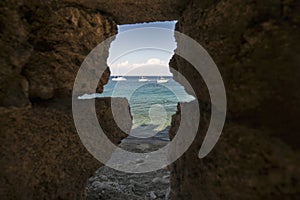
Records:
x=254, y=43
x=43, y=44
x=132, y=11
x=42, y=156
x=256, y=46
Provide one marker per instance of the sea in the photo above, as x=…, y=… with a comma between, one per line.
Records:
x=151, y=104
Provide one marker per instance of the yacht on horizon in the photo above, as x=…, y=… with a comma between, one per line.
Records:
x=118, y=78
x=143, y=79
x=162, y=80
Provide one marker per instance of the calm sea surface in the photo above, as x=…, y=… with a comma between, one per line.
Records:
x=152, y=105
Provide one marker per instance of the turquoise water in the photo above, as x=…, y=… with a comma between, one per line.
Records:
x=152, y=105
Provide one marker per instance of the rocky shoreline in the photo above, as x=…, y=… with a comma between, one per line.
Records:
x=107, y=183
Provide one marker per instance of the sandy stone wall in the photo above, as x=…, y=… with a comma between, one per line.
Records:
x=42, y=156
x=43, y=44
x=255, y=44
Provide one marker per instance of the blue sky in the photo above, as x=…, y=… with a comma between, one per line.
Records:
x=144, y=61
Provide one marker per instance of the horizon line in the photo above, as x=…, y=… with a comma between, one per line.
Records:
x=141, y=75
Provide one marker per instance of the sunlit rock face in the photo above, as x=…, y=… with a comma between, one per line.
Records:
x=256, y=48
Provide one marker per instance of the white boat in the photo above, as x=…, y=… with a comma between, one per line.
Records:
x=143, y=79
x=162, y=80
x=118, y=78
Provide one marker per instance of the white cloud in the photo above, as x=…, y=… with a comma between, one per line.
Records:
x=155, y=61
x=151, y=61
x=152, y=67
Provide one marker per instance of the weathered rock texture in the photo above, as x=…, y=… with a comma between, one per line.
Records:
x=43, y=46
x=256, y=45
x=132, y=11
x=42, y=156
x=44, y=42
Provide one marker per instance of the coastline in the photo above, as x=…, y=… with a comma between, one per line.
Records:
x=108, y=183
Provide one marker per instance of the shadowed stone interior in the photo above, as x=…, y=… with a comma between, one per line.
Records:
x=255, y=44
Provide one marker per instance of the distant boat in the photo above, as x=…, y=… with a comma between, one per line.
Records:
x=162, y=80
x=143, y=79
x=118, y=78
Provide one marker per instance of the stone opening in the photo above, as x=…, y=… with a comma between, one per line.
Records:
x=143, y=77
x=254, y=43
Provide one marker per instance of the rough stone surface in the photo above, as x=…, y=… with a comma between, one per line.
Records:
x=256, y=45
x=246, y=163
x=43, y=46
x=108, y=183
x=43, y=43
x=144, y=10
x=257, y=56
x=42, y=156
